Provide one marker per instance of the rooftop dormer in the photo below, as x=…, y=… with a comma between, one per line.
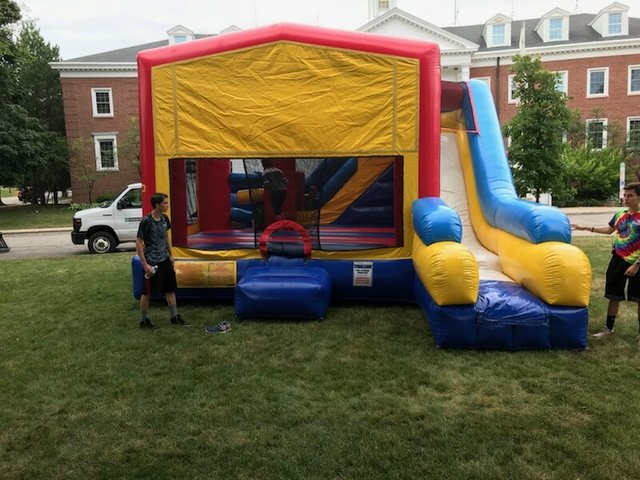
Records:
x=612, y=21
x=180, y=34
x=380, y=7
x=497, y=31
x=554, y=26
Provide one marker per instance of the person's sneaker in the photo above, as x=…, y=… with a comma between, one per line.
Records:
x=222, y=327
x=146, y=323
x=604, y=333
x=178, y=320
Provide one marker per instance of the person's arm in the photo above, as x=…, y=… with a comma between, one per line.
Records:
x=140, y=252
x=140, y=247
x=605, y=230
x=166, y=239
x=633, y=269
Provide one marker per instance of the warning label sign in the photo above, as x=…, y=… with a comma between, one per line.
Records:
x=362, y=274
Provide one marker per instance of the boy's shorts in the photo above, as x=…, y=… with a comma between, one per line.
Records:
x=163, y=281
x=616, y=281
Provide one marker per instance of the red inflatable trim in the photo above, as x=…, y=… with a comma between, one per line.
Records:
x=285, y=225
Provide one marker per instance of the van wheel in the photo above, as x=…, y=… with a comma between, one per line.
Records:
x=102, y=242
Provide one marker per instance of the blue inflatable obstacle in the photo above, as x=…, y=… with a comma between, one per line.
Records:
x=284, y=286
x=506, y=317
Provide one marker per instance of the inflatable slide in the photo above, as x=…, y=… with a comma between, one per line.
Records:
x=532, y=285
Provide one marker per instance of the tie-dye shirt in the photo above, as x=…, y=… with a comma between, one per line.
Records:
x=626, y=237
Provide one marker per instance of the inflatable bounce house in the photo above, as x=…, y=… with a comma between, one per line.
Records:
x=306, y=164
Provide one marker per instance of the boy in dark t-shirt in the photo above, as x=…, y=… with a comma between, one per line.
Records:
x=276, y=183
x=154, y=249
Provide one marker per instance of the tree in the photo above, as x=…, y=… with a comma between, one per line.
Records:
x=39, y=92
x=9, y=16
x=536, y=131
x=129, y=147
x=37, y=84
x=84, y=171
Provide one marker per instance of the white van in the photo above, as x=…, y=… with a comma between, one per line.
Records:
x=108, y=226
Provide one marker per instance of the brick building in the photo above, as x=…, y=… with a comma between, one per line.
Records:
x=597, y=55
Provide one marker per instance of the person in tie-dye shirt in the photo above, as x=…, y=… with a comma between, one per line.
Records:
x=624, y=267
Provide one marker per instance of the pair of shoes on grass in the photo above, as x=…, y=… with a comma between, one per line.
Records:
x=178, y=320
x=222, y=327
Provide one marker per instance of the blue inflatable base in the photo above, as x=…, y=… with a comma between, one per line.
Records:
x=505, y=317
x=283, y=292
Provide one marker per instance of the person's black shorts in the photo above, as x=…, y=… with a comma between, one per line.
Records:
x=617, y=280
x=163, y=281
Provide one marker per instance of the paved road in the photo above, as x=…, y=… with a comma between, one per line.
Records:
x=58, y=243
x=47, y=244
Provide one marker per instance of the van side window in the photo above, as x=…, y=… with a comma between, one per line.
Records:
x=133, y=198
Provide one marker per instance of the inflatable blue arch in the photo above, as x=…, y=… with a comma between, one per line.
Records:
x=398, y=188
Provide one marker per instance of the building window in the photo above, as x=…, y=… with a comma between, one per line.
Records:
x=180, y=38
x=511, y=90
x=498, y=34
x=634, y=80
x=383, y=4
x=555, y=29
x=597, y=133
x=597, y=82
x=562, y=84
x=615, y=23
x=106, y=150
x=633, y=131
x=102, y=101
x=485, y=80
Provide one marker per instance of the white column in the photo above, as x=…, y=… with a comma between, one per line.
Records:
x=463, y=73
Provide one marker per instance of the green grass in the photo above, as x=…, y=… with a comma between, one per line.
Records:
x=362, y=395
x=7, y=192
x=27, y=216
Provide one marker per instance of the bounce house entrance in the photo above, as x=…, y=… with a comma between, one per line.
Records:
x=345, y=203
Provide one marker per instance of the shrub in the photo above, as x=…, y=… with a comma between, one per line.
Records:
x=592, y=176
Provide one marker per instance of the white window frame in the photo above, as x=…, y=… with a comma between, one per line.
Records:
x=97, y=137
x=609, y=32
x=561, y=36
x=629, y=120
x=510, y=89
x=565, y=75
x=493, y=36
x=606, y=82
x=629, y=91
x=604, y=122
x=94, y=103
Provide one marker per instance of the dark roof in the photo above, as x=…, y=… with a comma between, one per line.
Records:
x=579, y=32
x=127, y=54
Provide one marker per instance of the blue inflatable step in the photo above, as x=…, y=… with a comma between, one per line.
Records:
x=506, y=317
x=283, y=292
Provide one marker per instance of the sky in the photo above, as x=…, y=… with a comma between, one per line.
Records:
x=85, y=27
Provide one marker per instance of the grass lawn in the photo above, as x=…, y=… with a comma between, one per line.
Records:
x=7, y=192
x=362, y=395
x=27, y=216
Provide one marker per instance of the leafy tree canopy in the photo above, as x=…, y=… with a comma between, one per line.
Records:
x=536, y=131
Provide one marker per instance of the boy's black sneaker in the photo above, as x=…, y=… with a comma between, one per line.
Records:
x=146, y=323
x=178, y=320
